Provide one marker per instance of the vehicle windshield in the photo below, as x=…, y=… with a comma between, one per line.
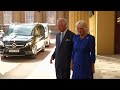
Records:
x=20, y=30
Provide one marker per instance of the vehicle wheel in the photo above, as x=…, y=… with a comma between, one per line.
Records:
x=48, y=44
x=34, y=50
x=43, y=48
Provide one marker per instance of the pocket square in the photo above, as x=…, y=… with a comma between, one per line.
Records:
x=67, y=40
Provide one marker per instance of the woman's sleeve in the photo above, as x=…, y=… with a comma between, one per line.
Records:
x=92, y=49
x=73, y=51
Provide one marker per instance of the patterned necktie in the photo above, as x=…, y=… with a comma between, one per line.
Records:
x=61, y=37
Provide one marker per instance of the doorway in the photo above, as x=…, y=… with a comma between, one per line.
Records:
x=117, y=32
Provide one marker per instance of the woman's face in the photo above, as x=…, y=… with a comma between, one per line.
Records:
x=80, y=30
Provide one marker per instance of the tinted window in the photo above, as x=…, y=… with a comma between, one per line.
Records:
x=41, y=30
x=22, y=30
x=37, y=32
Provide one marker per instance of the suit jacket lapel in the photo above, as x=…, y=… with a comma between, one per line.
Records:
x=65, y=36
x=58, y=40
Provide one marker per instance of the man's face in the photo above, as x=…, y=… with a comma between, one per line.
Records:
x=61, y=26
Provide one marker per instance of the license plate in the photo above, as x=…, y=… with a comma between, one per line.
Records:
x=13, y=50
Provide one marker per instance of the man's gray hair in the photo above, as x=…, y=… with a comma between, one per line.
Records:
x=63, y=20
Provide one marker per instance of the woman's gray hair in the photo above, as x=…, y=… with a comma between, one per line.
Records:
x=83, y=24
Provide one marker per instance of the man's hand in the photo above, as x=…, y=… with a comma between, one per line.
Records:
x=51, y=60
x=93, y=68
x=71, y=66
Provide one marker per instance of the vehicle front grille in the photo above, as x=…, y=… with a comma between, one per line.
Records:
x=16, y=44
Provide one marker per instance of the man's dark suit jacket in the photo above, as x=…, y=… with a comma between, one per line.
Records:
x=62, y=55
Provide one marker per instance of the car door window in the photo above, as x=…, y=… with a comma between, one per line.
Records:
x=36, y=32
x=41, y=30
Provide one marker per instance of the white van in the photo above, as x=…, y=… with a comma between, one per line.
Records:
x=1, y=33
x=47, y=34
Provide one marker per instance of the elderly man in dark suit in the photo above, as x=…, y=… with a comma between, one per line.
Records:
x=63, y=50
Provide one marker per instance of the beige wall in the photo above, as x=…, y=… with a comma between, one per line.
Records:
x=66, y=15
x=59, y=14
x=16, y=16
x=105, y=26
x=92, y=24
x=22, y=16
x=40, y=16
x=74, y=16
x=36, y=16
x=92, y=27
x=72, y=21
x=1, y=17
x=101, y=25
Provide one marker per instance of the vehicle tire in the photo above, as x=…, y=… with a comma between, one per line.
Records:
x=34, y=50
x=48, y=44
x=43, y=48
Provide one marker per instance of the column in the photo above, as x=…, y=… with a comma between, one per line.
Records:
x=75, y=16
x=16, y=16
x=105, y=32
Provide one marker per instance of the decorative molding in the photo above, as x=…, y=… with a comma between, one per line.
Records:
x=91, y=13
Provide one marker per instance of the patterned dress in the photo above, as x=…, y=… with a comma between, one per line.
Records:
x=83, y=57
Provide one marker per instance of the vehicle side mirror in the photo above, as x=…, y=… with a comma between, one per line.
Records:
x=2, y=33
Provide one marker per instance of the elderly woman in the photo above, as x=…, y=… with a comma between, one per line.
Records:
x=83, y=55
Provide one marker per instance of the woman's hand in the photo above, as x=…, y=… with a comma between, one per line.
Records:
x=71, y=66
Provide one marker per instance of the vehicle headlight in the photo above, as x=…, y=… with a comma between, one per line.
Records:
x=1, y=43
x=28, y=44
